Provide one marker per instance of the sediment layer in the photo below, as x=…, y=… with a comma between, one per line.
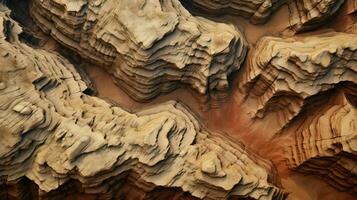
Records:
x=150, y=47
x=285, y=75
x=53, y=133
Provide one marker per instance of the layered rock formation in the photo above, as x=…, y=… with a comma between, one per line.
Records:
x=308, y=85
x=58, y=141
x=150, y=47
x=53, y=133
x=326, y=142
x=257, y=11
x=309, y=14
x=284, y=75
x=293, y=80
x=350, y=17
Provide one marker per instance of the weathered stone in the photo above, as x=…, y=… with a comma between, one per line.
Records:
x=150, y=47
x=73, y=136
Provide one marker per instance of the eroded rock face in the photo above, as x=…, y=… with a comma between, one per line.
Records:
x=351, y=11
x=309, y=14
x=150, y=47
x=283, y=75
x=326, y=143
x=257, y=11
x=58, y=141
x=51, y=132
x=294, y=80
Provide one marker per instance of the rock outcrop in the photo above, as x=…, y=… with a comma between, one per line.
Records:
x=351, y=16
x=257, y=11
x=294, y=80
x=308, y=14
x=326, y=143
x=53, y=133
x=150, y=47
x=285, y=75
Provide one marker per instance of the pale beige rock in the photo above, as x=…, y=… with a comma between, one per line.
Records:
x=73, y=145
x=326, y=145
x=69, y=135
x=23, y=108
x=309, y=14
x=285, y=75
x=291, y=80
x=257, y=11
x=150, y=47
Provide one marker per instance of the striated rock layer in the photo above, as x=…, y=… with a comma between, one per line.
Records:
x=53, y=133
x=293, y=81
x=351, y=17
x=257, y=11
x=149, y=46
x=309, y=14
x=326, y=143
x=285, y=75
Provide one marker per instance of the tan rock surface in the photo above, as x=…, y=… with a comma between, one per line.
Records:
x=291, y=80
x=309, y=14
x=150, y=47
x=283, y=75
x=293, y=102
x=325, y=143
x=53, y=133
x=257, y=11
